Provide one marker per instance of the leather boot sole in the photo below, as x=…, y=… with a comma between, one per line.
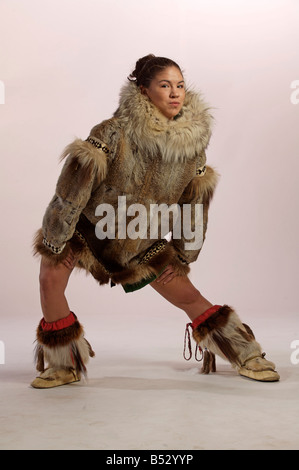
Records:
x=55, y=378
x=261, y=376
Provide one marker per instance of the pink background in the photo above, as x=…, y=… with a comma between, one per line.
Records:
x=63, y=63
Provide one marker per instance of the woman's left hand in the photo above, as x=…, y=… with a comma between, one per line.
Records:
x=168, y=275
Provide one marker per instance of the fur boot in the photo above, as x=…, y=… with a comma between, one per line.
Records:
x=220, y=331
x=62, y=346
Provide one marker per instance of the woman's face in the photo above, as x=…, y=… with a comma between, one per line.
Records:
x=167, y=91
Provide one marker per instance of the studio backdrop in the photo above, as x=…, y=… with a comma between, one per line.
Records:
x=62, y=65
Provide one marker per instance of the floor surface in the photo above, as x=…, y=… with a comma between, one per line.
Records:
x=141, y=394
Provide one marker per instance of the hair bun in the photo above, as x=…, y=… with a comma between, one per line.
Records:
x=139, y=66
x=147, y=67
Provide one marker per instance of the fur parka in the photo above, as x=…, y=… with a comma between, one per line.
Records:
x=136, y=157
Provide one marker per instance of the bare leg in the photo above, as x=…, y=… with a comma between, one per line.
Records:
x=183, y=294
x=53, y=282
x=62, y=351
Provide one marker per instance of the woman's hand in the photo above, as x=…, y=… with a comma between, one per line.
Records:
x=168, y=275
x=70, y=261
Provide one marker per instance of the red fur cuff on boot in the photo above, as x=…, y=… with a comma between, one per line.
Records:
x=59, y=324
x=204, y=316
x=195, y=324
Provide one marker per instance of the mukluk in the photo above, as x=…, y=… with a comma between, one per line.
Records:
x=61, y=352
x=219, y=331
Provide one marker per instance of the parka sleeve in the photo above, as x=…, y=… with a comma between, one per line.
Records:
x=194, y=204
x=85, y=168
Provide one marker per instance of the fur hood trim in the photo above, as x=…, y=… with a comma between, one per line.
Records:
x=177, y=140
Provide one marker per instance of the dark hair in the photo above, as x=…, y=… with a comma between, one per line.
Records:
x=147, y=67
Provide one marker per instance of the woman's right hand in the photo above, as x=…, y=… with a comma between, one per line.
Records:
x=70, y=261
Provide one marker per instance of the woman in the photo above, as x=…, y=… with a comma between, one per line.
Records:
x=151, y=153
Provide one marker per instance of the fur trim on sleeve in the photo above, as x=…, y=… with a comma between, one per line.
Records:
x=201, y=188
x=52, y=259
